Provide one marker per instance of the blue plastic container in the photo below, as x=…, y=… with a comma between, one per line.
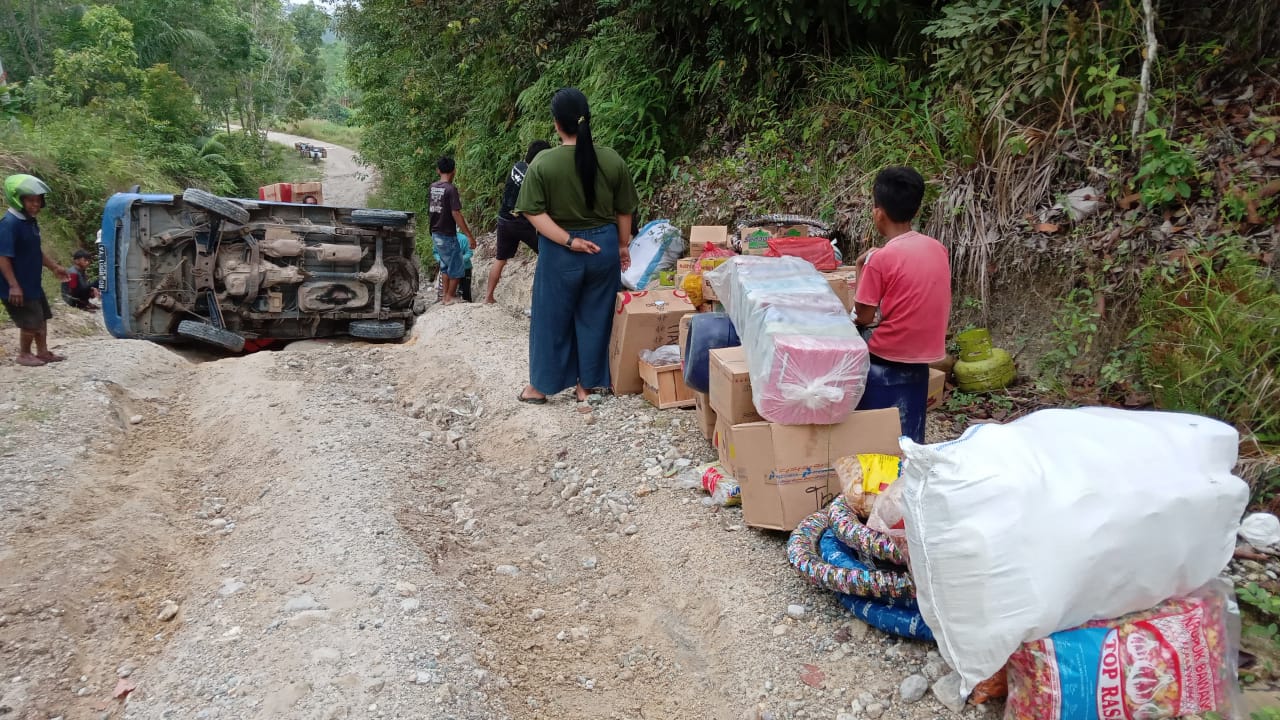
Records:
x=901, y=385
x=707, y=332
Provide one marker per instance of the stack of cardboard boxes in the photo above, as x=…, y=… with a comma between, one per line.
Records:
x=292, y=192
x=786, y=471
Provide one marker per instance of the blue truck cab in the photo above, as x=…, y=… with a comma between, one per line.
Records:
x=220, y=271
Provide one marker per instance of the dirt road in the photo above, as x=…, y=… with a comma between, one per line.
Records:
x=345, y=530
x=346, y=181
x=349, y=530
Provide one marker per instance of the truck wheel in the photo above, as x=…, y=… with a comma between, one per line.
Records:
x=207, y=333
x=377, y=329
x=209, y=202
x=388, y=218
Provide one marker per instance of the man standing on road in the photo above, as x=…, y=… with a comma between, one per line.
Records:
x=513, y=229
x=21, y=259
x=446, y=217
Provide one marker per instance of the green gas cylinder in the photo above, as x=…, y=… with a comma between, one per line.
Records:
x=982, y=368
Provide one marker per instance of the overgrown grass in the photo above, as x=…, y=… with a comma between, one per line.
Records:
x=1211, y=340
x=295, y=168
x=326, y=131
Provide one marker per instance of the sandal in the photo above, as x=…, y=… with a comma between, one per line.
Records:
x=29, y=361
x=51, y=357
x=531, y=400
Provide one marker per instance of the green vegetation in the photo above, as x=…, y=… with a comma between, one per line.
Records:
x=736, y=107
x=1261, y=631
x=106, y=96
x=325, y=131
x=1211, y=337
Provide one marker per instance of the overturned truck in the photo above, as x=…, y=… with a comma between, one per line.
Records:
x=221, y=271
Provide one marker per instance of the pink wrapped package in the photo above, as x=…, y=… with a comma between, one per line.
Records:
x=807, y=363
x=814, y=380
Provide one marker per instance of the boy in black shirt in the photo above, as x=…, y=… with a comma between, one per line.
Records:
x=513, y=229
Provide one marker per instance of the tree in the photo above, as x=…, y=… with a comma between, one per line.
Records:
x=171, y=103
x=106, y=69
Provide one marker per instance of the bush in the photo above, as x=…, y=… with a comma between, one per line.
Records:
x=1211, y=340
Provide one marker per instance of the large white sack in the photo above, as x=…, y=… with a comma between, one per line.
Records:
x=1018, y=531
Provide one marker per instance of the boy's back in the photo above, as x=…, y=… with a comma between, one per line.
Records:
x=910, y=280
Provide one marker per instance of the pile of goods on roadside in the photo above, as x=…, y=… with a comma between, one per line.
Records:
x=1068, y=560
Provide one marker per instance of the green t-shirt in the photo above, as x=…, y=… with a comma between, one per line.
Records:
x=552, y=187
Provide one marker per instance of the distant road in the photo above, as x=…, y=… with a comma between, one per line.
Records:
x=346, y=182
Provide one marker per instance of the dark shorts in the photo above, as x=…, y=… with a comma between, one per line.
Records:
x=511, y=234
x=33, y=314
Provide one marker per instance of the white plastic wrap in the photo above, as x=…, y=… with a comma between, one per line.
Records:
x=658, y=246
x=807, y=363
x=1018, y=531
x=663, y=356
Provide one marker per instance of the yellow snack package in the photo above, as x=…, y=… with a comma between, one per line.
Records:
x=864, y=477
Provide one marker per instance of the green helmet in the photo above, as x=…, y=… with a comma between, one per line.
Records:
x=17, y=186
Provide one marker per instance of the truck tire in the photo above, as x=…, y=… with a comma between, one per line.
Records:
x=379, y=218
x=209, y=202
x=207, y=333
x=377, y=329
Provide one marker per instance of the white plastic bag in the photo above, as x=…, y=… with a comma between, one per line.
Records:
x=1018, y=531
x=888, y=515
x=663, y=356
x=1260, y=530
x=807, y=363
x=657, y=247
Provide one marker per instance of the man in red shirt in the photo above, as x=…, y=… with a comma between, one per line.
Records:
x=908, y=282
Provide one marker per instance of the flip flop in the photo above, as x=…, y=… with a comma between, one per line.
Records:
x=532, y=401
x=29, y=361
x=51, y=358
x=584, y=407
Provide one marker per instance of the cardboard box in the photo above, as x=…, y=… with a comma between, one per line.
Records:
x=937, y=385
x=664, y=386
x=302, y=191
x=708, y=292
x=842, y=281
x=644, y=320
x=684, y=266
x=700, y=235
x=755, y=240
x=787, y=471
x=730, y=387
x=684, y=334
x=720, y=441
x=278, y=192
x=706, y=416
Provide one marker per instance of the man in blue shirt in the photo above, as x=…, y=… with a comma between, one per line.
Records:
x=21, y=260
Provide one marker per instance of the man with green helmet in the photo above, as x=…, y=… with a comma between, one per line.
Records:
x=21, y=260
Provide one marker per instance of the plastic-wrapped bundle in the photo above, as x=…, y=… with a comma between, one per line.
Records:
x=656, y=247
x=808, y=364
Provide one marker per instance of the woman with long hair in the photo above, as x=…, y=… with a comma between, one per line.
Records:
x=580, y=198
